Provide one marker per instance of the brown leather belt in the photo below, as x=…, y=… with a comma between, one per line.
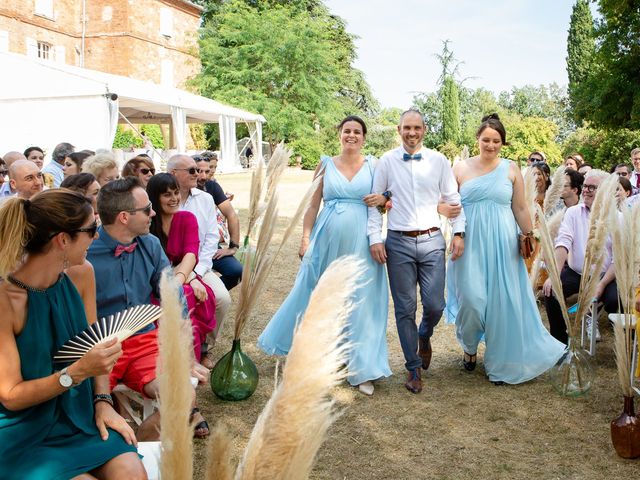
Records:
x=417, y=233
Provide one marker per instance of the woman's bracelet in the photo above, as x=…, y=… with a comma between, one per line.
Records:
x=185, y=277
x=103, y=397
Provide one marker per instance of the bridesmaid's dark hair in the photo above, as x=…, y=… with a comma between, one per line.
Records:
x=493, y=121
x=159, y=184
x=353, y=118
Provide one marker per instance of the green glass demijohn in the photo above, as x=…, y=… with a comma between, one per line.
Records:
x=235, y=376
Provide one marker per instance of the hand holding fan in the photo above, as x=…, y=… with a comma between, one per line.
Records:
x=121, y=326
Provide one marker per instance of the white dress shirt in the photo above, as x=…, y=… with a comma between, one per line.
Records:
x=201, y=205
x=417, y=186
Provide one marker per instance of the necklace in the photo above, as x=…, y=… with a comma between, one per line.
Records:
x=24, y=286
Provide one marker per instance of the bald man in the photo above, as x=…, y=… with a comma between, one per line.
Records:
x=9, y=158
x=25, y=178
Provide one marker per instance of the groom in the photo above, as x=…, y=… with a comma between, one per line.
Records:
x=418, y=178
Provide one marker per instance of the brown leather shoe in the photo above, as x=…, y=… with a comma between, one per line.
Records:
x=425, y=351
x=414, y=381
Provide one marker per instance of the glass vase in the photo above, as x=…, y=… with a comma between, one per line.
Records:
x=235, y=376
x=573, y=375
x=625, y=431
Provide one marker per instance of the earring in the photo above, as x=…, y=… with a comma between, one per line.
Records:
x=65, y=261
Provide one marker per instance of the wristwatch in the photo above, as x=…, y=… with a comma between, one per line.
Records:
x=65, y=379
x=233, y=244
x=459, y=234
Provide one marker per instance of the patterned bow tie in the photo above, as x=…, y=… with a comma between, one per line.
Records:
x=120, y=249
x=416, y=156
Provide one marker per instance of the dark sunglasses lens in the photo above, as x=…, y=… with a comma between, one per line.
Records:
x=147, y=210
x=145, y=171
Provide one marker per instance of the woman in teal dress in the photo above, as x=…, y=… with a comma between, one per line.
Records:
x=341, y=229
x=54, y=424
x=489, y=293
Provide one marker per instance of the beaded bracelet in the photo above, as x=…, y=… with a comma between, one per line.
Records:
x=103, y=397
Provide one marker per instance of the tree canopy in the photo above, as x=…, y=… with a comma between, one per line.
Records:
x=290, y=61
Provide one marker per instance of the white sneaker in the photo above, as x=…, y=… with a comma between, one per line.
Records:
x=366, y=388
x=588, y=322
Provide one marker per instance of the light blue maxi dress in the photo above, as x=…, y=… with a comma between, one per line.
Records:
x=340, y=229
x=489, y=293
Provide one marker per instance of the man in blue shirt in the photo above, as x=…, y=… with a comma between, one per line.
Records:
x=54, y=167
x=128, y=262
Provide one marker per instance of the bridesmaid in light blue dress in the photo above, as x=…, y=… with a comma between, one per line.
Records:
x=489, y=293
x=341, y=229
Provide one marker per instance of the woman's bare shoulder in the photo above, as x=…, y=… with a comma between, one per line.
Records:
x=81, y=274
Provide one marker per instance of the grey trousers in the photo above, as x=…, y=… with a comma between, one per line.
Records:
x=412, y=261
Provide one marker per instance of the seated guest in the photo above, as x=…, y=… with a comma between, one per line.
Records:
x=623, y=193
x=621, y=169
x=141, y=167
x=570, y=248
x=178, y=233
x=54, y=167
x=535, y=157
x=25, y=178
x=634, y=178
x=87, y=185
x=3, y=171
x=201, y=205
x=9, y=158
x=56, y=420
x=584, y=168
x=573, y=161
x=128, y=263
x=103, y=166
x=572, y=188
x=224, y=261
x=73, y=163
x=36, y=155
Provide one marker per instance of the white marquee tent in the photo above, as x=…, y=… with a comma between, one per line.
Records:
x=44, y=103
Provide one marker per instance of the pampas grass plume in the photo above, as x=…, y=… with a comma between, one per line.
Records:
x=293, y=424
x=219, y=455
x=176, y=392
x=552, y=196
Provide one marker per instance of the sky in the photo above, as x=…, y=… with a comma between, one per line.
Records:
x=502, y=43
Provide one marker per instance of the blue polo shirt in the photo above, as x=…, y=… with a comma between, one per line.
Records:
x=127, y=280
x=55, y=169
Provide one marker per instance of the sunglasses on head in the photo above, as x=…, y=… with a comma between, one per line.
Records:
x=146, y=209
x=145, y=171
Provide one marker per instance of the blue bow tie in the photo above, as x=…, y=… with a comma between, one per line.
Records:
x=416, y=156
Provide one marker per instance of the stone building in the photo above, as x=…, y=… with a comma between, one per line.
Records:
x=152, y=40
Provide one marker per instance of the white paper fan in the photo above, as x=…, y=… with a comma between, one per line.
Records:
x=120, y=325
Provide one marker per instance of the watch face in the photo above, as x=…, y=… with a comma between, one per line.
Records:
x=65, y=380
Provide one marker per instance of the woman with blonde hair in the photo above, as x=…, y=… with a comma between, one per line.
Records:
x=56, y=420
x=103, y=166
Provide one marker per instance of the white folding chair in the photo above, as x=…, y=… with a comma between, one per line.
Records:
x=125, y=396
x=591, y=335
x=150, y=452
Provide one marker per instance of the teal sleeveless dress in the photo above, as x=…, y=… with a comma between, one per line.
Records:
x=489, y=293
x=339, y=230
x=57, y=439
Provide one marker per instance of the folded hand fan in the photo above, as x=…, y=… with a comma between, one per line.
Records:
x=120, y=325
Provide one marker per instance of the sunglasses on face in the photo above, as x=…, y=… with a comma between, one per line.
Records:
x=590, y=188
x=4, y=172
x=190, y=171
x=146, y=210
x=145, y=171
x=91, y=229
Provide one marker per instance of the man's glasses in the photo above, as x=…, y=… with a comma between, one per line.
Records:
x=4, y=172
x=190, y=171
x=145, y=171
x=590, y=188
x=146, y=210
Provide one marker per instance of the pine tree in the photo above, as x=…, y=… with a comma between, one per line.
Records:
x=581, y=47
x=450, y=110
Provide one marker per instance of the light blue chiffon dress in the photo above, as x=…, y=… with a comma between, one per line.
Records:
x=489, y=293
x=340, y=229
